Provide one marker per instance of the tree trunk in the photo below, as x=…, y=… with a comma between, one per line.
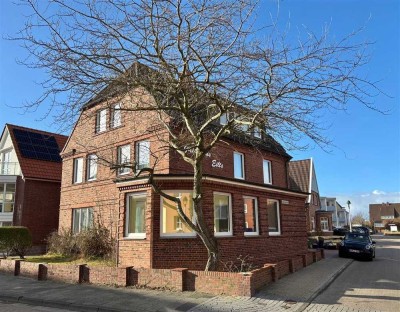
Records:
x=204, y=232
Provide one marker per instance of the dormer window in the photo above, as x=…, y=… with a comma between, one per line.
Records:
x=101, y=121
x=257, y=132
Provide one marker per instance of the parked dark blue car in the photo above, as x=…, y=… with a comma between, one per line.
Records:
x=357, y=245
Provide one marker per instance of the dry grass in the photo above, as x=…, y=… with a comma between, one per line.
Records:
x=59, y=259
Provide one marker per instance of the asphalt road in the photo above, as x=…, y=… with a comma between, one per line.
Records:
x=367, y=285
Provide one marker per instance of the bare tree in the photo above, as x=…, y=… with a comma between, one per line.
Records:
x=202, y=61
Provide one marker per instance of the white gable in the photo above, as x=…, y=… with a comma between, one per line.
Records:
x=9, y=164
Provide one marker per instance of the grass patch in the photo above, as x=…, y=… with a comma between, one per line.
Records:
x=60, y=259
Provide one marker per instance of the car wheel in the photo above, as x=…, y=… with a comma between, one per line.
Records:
x=341, y=254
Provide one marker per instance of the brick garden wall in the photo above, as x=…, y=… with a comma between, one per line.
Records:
x=178, y=279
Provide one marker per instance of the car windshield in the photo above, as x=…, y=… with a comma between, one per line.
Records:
x=357, y=236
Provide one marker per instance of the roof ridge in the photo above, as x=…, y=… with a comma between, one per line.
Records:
x=37, y=130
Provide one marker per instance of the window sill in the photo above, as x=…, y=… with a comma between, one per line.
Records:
x=251, y=234
x=134, y=238
x=218, y=235
x=169, y=236
x=275, y=234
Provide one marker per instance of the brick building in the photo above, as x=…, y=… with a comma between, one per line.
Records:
x=30, y=180
x=247, y=200
x=302, y=177
x=380, y=214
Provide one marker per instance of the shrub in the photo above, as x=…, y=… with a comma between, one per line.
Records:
x=63, y=243
x=15, y=239
x=95, y=242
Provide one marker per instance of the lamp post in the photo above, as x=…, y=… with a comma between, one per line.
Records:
x=348, y=205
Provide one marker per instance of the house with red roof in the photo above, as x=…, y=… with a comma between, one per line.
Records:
x=30, y=180
x=302, y=177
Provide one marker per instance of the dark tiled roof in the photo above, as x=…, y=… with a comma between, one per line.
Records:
x=37, y=168
x=299, y=175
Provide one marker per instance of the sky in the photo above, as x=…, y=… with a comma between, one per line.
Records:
x=363, y=165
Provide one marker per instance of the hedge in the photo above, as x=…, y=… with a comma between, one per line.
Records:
x=16, y=239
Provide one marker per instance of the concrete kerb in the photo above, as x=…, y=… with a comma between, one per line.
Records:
x=324, y=286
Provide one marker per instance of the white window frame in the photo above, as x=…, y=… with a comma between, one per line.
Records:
x=267, y=175
x=134, y=235
x=3, y=202
x=174, y=235
x=91, y=162
x=80, y=219
x=101, y=120
x=230, y=232
x=326, y=221
x=256, y=233
x=242, y=165
x=279, y=232
x=138, y=154
x=77, y=170
x=116, y=116
x=123, y=170
x=257, y=132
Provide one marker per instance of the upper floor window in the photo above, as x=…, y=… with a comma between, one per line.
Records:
x=82, y=219
x=116, y=116
x=5, y=163
x=124, y=158
x=250, y=216
x=135, y=216
x=78, y=170
x=267, y=172
x=238, y=165
x=171, y=223
x=222, y=214
x=257, y=132
x=7, y=197
x=101, y=121
x=142, y=154
x=274, y=225
x=91, y=167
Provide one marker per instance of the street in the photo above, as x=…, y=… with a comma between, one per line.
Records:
x=366, y=285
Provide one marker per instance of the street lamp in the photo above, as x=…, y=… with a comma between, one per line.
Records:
x=348, y=205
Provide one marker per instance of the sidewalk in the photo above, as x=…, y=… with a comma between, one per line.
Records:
x=292, y=293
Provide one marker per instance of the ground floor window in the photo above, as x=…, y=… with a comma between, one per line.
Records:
x=171, y=223
x=7, y=197
x=274, y=226
x=82, y=219
x=250, y=216
x=4, y=223
x=222, y=214
x=135, y=216
x=324, y=224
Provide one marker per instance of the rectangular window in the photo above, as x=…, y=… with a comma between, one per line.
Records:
x=124, y=158
x=222, y=214
x=82, y=219
x=324, y=224
x=91, y=167
x=274, y=225
x=142, y=155
x=135, y=226
x=257, y=132
x=6, y=165
x=116, y=116
x=7, y=197
x=312, y=224
x=250, y=216
x=101, y=121
x=267, y=171
x=78, y=170
x=171, y=223
x=238, y=165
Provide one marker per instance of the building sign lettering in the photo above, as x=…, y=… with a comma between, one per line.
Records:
x=216, y=164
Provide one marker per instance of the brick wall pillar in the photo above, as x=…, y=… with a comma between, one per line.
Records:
x=178, y=276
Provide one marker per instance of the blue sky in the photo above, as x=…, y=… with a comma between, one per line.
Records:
x=364, y=165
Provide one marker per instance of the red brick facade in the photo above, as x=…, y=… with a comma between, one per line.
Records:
x=108, y=195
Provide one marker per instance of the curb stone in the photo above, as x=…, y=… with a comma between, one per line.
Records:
x=324, y=286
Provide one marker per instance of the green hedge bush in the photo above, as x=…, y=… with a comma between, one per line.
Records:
x=15, y=239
